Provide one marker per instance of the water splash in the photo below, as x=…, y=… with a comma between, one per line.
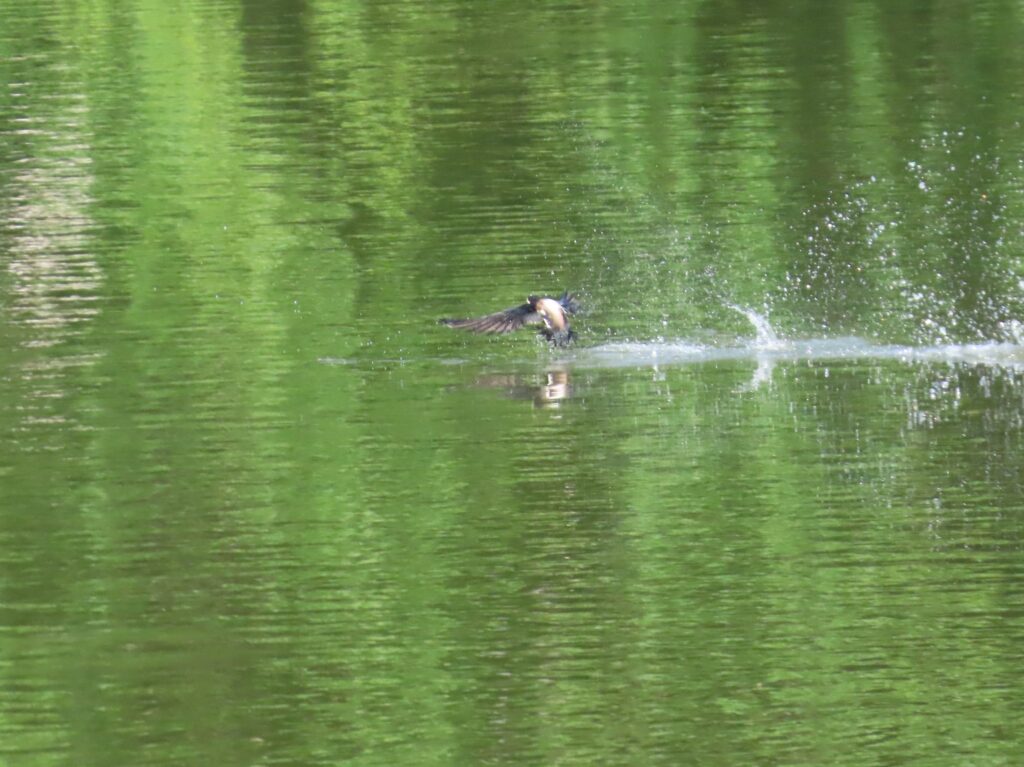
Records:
x=766, y=337
x=768, y=349
x=1014, y=330
x=1001, y=354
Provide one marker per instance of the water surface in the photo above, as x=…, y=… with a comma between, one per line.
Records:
x=258, y=508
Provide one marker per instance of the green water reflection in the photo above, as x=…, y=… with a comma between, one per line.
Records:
x=257, y=507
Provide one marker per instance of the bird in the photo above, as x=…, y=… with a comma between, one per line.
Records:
x=553, y=313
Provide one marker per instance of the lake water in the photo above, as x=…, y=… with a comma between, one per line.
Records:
x=258, y=508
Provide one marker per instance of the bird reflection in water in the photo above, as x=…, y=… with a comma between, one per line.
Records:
x=549, y=393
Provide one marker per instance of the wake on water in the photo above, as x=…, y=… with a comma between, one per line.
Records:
x=766, y=346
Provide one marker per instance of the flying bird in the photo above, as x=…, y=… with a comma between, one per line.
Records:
x=553, y=313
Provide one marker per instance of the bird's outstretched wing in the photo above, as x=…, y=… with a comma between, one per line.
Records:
x=500, y=322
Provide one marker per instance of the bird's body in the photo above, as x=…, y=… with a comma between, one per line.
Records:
x=552, y=313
